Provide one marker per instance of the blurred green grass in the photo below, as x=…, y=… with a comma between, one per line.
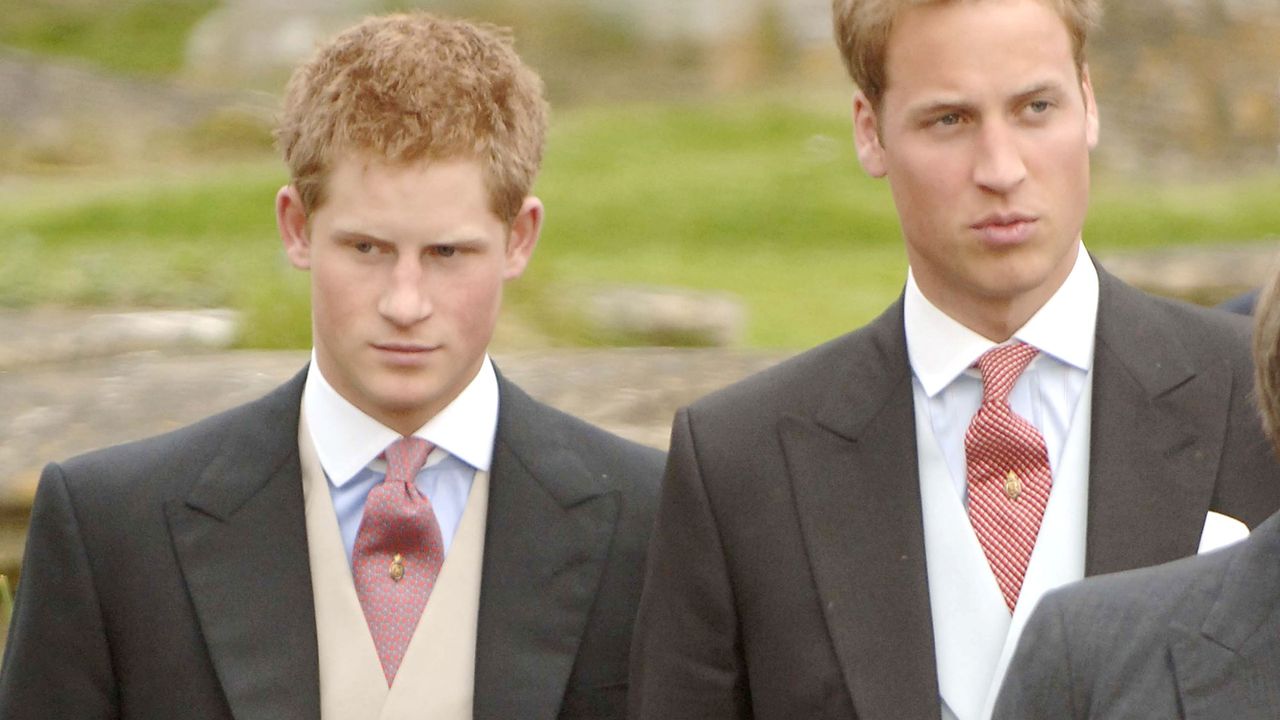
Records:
x=759, y=196
x=140, y=37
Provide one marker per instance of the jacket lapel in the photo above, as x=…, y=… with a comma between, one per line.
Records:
x=1156, y=442
x=1230, y=665
x=854, y=474
x=241, y=543
x=1218, y=683
x=548, y=535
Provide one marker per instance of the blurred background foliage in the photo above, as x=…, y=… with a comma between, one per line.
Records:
x=136, y=167
x=144, y=37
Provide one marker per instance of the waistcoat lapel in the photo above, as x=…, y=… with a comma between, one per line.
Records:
x=970, y=618
x=352, y=686
x=437, y=678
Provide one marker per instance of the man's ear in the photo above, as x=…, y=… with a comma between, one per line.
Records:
x=1092, y=124
x=291, y=221
x=525, y=229
x=866, y=137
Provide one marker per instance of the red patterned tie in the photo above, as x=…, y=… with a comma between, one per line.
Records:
x=398, y=553
x=1008, y=471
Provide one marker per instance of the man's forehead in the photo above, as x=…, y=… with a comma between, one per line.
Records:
x=959, y=46
x=898, y=6
x=920, y=16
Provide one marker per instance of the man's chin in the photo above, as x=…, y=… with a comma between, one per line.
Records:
x=411, y=396
x=407, y=400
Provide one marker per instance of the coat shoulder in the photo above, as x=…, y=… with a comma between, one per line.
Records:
x=163, y=463
x=629, y=465
x=1100, y=648
x=1202, y=331
x=805, y=382
x=1134, y=598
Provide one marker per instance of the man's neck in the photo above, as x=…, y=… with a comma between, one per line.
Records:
x=996, y=319
x=995, y=316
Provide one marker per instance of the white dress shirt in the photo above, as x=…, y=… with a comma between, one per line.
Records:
x=942, y=353
x=348, y=443
x=973, y=629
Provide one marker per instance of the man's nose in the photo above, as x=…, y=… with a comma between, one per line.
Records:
x=998, y=165
x=405, y=300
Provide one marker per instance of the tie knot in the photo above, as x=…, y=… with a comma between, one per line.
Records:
x=1001, y=367
x=405, y=457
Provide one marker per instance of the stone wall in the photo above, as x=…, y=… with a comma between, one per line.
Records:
x=63, y=112
x=257, y=43
x=1189, y=84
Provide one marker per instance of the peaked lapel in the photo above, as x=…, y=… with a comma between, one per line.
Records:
x=854, y=473
x=550, y=524
x=241, y=543
x=1229, y=666
x=1158, y=425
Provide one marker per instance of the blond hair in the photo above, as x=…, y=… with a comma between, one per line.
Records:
x=409, y=87
x=862, y=30
x=1266, y=358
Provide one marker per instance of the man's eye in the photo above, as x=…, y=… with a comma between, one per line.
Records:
x=364, y=248
x=949, y=119
x=444, y=250
x=1039, y=106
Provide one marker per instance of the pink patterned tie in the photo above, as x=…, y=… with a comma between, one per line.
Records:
x=398, y=553
x=1007, y=466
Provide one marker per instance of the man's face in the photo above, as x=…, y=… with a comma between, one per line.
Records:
x=984, y=133
x=407, y=266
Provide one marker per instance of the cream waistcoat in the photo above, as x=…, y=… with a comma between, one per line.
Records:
x=437, y=677
x=974, y=634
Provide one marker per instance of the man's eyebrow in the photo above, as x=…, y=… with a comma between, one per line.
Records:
x=463, y=237
x=1041, y=88
x=943, y=105
x=459, y=238
x=347, y=235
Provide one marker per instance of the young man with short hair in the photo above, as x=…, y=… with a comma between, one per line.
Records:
x=398, y=531
x=862, y=530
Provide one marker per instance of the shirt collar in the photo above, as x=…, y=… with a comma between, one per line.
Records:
x=940, y=348
x=347, y=440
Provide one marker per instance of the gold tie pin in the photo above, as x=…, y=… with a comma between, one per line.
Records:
x=397, y=567
x=1012, y=486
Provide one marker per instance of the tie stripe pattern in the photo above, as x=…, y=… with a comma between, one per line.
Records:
x=398, y=553
x=1007, y=468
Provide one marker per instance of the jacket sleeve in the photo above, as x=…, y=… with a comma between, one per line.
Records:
x=57, y=662
x=686, y=657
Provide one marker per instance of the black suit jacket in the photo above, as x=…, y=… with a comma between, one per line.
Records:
x=1198, y=639
x=169, y=578
x=787, y=573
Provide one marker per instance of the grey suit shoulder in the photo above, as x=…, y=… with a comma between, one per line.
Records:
x=853, y=369
x=1195, y=638
x=1131, y=314
x=613, y=461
